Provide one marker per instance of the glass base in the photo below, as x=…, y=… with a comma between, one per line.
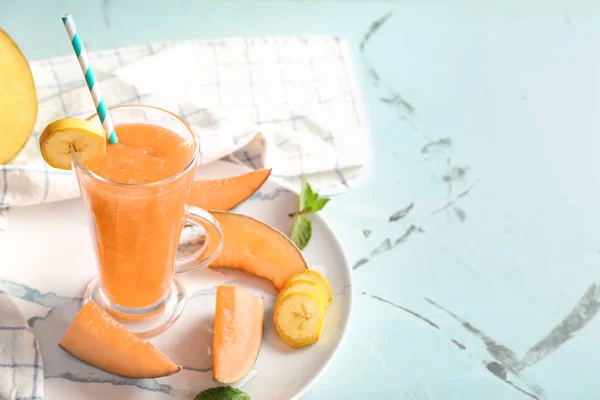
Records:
x=143, y=322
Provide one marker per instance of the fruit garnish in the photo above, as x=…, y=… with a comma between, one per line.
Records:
x=300, y=308
x=95, y=338
x=222, y=393
x=18, y=99
x=85, y=138
x=226, y=193
x=238, y=332
x=308, y=202
x=300, y=286
x=256, y=248
x=313, y=276
x=299, y=318
x=301, y=231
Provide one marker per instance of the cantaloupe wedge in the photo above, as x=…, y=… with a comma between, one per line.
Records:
x=224, y=194
x=97, y=339
x=257, y=249
x=18, y=99
x=239, y=320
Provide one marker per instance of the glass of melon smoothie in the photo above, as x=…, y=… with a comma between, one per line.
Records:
x=136, y=199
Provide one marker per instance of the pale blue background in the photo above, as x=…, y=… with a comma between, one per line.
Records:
x=515, y=89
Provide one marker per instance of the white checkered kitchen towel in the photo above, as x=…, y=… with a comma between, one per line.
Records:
x=21, y=369
x=286, y=103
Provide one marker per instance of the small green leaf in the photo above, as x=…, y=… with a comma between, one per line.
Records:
x=309, y=201
x=222, y=393
x=307, y=196
x=301, y=231
x=319, y=204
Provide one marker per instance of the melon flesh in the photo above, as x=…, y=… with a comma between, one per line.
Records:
x=224, y=194
x=95, y=338
x=257, y=249
x=239, y=319
x=18, y=99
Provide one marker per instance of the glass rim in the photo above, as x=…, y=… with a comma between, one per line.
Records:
x=77, y=162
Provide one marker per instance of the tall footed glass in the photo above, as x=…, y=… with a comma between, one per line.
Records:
x=136, y=200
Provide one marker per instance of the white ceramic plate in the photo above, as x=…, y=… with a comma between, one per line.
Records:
x=50, y=260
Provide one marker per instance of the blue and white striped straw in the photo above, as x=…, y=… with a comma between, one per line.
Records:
x=93, y=86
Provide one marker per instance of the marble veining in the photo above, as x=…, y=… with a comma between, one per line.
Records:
x=401, y=213
x=426, y=320
x=583, y=312
x=390, y=97
x=452, y=202
x=387, y=245
x=459, y=344
x=506, y=361
x=437, y=145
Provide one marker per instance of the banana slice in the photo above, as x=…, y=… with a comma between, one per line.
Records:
x=300, y=286
x=299, y=319
x=87, y=139
x=313, y=276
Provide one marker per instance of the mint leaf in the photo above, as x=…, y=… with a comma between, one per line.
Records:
x=301, y=231
x=309, y=201
x=222, y=393
x=307, y=196
x=318, y=204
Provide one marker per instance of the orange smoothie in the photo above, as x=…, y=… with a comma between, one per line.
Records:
x=136, y=229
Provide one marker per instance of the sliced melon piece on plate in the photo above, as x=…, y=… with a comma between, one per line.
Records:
x=256, y=248
x=97, y=339
x=18, y=99
x=313, y=276
x=224, y=194
x=239, y=319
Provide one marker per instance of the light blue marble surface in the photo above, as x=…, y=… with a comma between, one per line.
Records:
x=485, y=129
